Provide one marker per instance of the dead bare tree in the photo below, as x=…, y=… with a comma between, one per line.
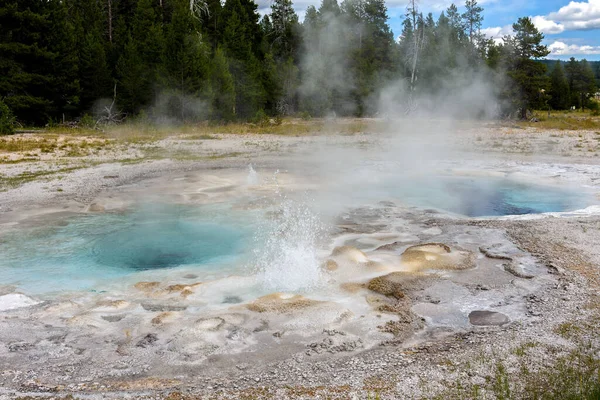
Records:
x=198, y=8
x=412, y=11
x=109, y=115
x=110, y=28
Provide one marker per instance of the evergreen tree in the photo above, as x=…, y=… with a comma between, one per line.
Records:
x=527, y=75
x=527, y=42
x=186, y=64
x=140, y=62
x=38, y=64
x=243, y=63
x=559, y=88
x=223, y=88
x=272, y=85
x=284, y=34
x=94, y=75
x=589, y=87
x=133, y=88
x=61, y=41
x=329, y=9
x=472, y=18
x=212, y=22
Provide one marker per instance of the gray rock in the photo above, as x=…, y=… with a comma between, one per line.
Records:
x=232, y=300
x=20, y=346
x=488, y=318
x=162, y=307
x=147, y=340
x=113, y=318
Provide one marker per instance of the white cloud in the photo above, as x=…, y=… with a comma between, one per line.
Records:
x=547, y=26
x=572, y=17
x=575, y=16
x=583, y=25
x=497, y=32
x=544, y=25
x=559, y=48
x=578, y=11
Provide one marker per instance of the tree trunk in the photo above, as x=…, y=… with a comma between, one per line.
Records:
x=110, y=21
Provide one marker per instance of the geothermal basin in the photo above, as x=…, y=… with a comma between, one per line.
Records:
x=243, y=275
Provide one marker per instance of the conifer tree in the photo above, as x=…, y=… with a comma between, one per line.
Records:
x=284, y=34
x=472, y=18
x=238, y=42
x=94, y=75
x=223, y=88
x=140, y=62
x=133, y=87
x=559, y=88
x=186, y=64
x=38, y=64
x=527, y=75
x=589, y=87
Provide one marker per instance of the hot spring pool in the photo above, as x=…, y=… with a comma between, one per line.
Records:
x=94, y=251
x=481, y=196
x=85, y=252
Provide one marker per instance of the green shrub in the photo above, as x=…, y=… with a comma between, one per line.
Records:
x=7, y=119
x=87, y=121
x=260, y=118
x=594, y=107
x=305, y=115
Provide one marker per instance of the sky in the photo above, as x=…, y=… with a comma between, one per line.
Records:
x=571, y=28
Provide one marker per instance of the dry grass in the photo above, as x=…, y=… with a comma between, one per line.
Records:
x=144, y=133
x=28, y=176
x=49, y=143
x=563, y=120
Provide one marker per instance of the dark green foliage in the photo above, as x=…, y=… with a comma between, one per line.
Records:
x=559, y=92
x=582, y=83
x=186, y=67
x=284, y=32
x=94, y=75
x=38, y=62
x=7, y=119
x=240, y=39
x=223, y=87
x=528, y=81
x=528, y=85
x=133, y=88
x=182, y=61
x=472, y=19
x=527, y=42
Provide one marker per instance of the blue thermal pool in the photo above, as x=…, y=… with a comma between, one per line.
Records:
x=478, y=197
x=83, y=252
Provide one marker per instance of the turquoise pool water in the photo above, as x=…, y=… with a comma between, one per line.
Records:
x=83, y=252
x=478, y=196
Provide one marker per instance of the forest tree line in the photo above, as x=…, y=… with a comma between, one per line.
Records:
x=192, y=60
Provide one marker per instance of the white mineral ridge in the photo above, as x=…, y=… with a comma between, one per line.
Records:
x=16, y=300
